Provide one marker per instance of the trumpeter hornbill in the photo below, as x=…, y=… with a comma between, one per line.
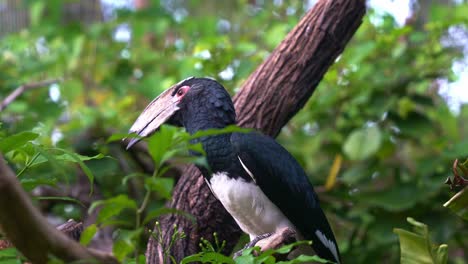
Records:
x=258, y=182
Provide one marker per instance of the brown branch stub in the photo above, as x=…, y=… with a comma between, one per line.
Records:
x=23, y=88
x=72, y=229
x=269, y=98
x=29, y=231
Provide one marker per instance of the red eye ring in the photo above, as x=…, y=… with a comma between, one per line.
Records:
x=182, y=90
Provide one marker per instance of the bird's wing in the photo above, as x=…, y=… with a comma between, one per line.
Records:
x=285, y=183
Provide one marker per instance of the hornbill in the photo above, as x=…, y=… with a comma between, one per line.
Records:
x=258, y=181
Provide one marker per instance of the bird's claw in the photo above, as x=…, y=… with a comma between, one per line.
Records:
x=252, y=243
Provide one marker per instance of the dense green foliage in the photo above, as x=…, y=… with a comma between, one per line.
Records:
x=376, y=129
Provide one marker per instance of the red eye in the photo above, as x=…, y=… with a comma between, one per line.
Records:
x=182, y=91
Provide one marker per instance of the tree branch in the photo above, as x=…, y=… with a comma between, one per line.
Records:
x=29, y=231
x=23, y=88
x=269, y=98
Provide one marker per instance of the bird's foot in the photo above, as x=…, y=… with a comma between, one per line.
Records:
x=252, y=243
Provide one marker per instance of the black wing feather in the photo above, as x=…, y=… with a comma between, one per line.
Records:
x=285, y=183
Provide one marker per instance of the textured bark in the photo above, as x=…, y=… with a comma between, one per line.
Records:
x=268, y=100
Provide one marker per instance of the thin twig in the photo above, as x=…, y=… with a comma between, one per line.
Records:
x=23, y=88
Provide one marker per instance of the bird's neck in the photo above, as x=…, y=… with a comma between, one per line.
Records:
x=218, y=148
x=218, y=151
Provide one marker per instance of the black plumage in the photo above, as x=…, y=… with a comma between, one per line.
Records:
x=245, y=168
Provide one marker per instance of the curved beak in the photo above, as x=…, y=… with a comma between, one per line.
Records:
x=155, y=114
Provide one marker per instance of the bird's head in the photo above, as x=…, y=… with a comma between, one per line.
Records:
x=194, y=103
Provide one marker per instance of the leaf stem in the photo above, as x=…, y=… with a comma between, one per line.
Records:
x=28, y=164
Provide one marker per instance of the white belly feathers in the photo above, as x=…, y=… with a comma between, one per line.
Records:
x=245, y=201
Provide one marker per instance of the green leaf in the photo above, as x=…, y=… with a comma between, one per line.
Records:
x=304, y=259
x=162, y=186
x=60, y=198
x=208, y=257
x=73, y=157
x=112, y=207
x=215, y=132
x=133, y=175
x=459, y=203
x=416, y=247
x=16, y=141
x=245, y=259
x=363, y=143
x=160, y=143
x=88, y=234
x=287, y=248
x=9, y=253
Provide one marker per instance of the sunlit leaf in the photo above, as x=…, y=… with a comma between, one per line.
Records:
x=16, y=141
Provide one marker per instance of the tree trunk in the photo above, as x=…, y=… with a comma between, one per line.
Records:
x=268, y=100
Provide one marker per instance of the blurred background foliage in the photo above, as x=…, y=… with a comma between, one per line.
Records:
x=377, y=138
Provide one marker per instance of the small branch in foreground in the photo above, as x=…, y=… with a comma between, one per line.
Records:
x=30, y=232
x=23, y=88
x=71, y=228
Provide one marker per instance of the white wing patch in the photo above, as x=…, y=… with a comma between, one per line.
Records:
x=328, y=244
x=248, y=205
x=247, y=170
